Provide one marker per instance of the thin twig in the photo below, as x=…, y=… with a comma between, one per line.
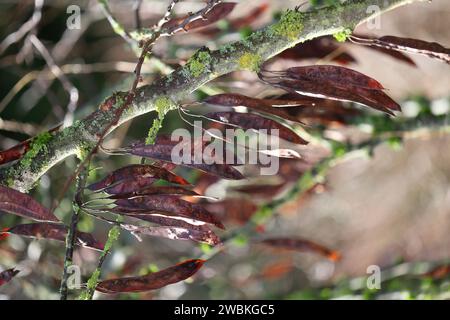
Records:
x=71, y=234
x=71, y=68
x=117, y=27
x=137, y=13
x=14, y=126
x=25, y=28
x=56, y=70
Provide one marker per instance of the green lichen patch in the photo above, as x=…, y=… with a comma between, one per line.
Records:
x=84, y=149
x=199, y=63
x=342, y=36
x=153, y=131
x=290, y=25
x=113, y=236
x=10, y=182
x=250, y=61
x=37, y=145
x=162, y=106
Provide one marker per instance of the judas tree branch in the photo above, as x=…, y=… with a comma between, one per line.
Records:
x=294, y=27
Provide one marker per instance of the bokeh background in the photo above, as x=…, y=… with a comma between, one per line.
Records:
x=390, y=210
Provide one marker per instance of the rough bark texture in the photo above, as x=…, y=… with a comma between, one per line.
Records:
x=294, y=27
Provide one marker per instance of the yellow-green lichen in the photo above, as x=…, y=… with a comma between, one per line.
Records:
x=342, y=36
x=113, y=236
x=37, y=145
x=199, y=63
x=250, y=61
x=153, y=131
x=162, y=106
x=91, y=285
x=290, y=25
x=10, y=182
x=84, y=149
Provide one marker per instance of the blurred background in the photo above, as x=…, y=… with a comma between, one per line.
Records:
x=391, y=209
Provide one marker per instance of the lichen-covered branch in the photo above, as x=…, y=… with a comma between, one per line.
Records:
x=293, y=27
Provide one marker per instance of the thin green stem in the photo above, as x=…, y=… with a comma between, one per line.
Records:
x=113, y=236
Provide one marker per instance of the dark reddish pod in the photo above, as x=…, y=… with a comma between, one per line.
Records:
x=52, y=231
x=156, y=190
x=129, y=185
x=21, y=204
x=373, y=98
x=431, y=49
x=236, y=99
x=278, y=108
x=161, y=150
x=204, y=235
x=152, y=281
x=15, y=152
x=337, y=74
x=133, y=178
x=170, y=204
x=332, y=82
x=252, y=121
x=408, y=45
x=167, y=220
